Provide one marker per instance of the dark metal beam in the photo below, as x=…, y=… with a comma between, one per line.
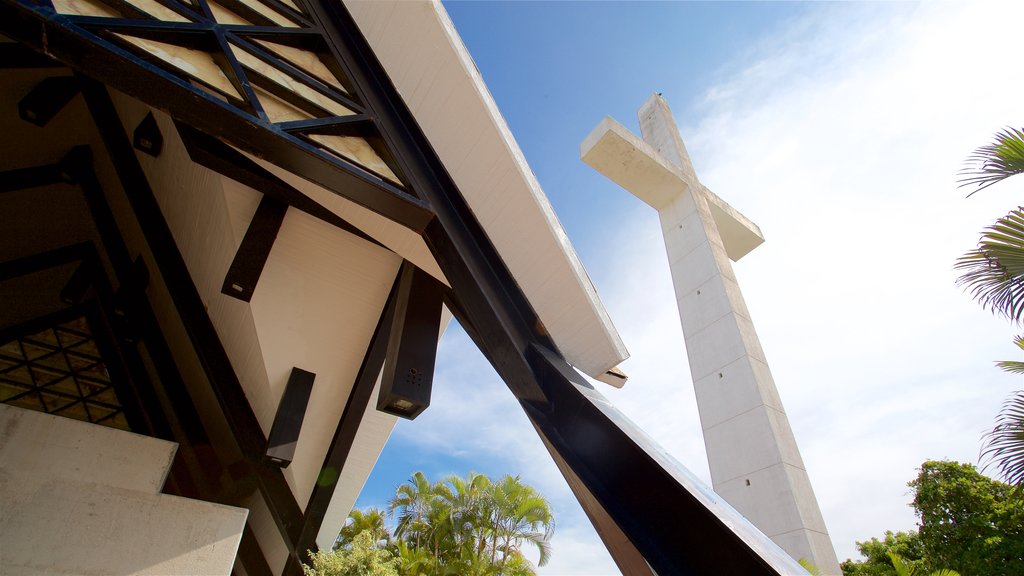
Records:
x=249, y=552
x=703, y=536
x=17, y=55
x=180, y=422
x=345, y=433
x=59, y=37
x=223, y=159
x=49, y=259
x=22, y=178
x=234, y=405
x=634, y=482
x=251, y=256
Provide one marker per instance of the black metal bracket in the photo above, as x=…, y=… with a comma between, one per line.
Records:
x=147, y=137
x=251, y=256
x=47, y=98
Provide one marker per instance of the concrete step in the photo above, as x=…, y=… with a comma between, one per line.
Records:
x=78, y=498
x=61, y=526
x=56, y=447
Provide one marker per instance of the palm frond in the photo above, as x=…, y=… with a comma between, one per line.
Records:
x=994, y=273
x=996, y=161
x=1013, y=366
x=1004, y=444
x=810, y=567
x=900, y=565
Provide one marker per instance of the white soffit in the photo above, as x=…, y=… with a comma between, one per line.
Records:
x=397, y=238
x=419, y=48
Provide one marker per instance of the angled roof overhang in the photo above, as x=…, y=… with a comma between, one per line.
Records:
x=425, y=58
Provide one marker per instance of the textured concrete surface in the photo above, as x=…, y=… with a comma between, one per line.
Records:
x=752, y=453
x=78, y=498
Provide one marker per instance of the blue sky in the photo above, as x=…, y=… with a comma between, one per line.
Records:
x=838, y=128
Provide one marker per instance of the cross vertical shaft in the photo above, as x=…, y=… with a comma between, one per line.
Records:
x=752, y=454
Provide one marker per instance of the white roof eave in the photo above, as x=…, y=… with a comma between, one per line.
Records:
x=427, y=62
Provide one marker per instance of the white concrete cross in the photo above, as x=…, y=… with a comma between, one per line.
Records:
x=753, y=456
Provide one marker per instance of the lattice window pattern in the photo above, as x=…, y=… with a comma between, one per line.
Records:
x=263, y=57
x=60, y=370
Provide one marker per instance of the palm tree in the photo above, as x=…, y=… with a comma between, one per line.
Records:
x=904, y=568
x=521, y=515
x=995, y=162
x=994, y=275
x=469, y=526
x=413, y=561
x=1004, y=444
x=470, y=507
x=413, y=500
x=371, y=521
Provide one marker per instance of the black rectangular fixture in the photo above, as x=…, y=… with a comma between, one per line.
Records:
x=412, y=345
x=251, y=257
x=284, y=434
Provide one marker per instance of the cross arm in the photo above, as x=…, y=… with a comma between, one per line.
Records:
x=625, y=159
x=739, y=234
x=614, y=151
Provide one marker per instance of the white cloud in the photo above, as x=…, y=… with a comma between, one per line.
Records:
x=841, y=139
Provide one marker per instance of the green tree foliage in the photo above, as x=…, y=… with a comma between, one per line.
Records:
x=904, y=568
x=362, y=557
x=461, y=526
x=969, y=522
x=371, y=521
x=876, y=553
x=1004, y=444
x=994, y=275
x=995, y=162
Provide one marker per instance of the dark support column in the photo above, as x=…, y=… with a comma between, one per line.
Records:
x=244, y=273
x=182, y=423
x=17, y=55
x=628, y=559
x=246, y=429
x=345, y=434
x=673, y=524
x=22, y=178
